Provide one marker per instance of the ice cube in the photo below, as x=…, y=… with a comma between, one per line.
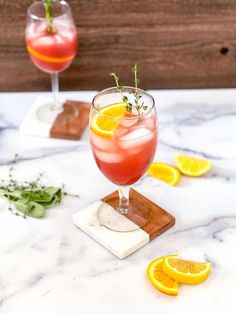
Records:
x=120, y=131
x=43, y=41
x=41, y=27
x=110, y=158
x=135, y=134
x=103, y=143
x=136, y=138
x=59, y=39
x=36, y=29
x=126, y=123
x=147, y=122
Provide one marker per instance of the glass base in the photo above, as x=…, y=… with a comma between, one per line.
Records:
x=49, y=112
x=114, y=220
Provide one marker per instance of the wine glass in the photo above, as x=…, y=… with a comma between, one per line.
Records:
x=123, y=145
x=51, y=41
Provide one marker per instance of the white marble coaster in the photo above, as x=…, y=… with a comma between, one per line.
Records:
x=31, y=125
x=120, y=244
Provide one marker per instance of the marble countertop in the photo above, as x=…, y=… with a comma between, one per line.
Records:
x=49, y=266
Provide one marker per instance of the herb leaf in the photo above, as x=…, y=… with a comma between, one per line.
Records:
x=48, y=4
x=135, y=92
x=31, y=202
x=120, y=89
x=31, y=209
x=30, y=198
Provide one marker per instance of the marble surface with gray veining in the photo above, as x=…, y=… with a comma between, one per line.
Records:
x=49, y=266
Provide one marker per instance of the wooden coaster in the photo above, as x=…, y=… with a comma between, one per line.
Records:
x=159, y=219
x=71, y=129
x=123, y=244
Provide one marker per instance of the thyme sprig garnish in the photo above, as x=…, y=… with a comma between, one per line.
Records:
x=29, y=198
x=135, y=91
x=137, y=96
x=139, y=107
x=120, y=89
x=48, y=5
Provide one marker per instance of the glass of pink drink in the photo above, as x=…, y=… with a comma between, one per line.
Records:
x=126, y=150
x=51, y=50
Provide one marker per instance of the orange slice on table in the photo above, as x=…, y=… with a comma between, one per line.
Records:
x=107, y=121
x=192, y=166
x=159, y=279
x=164, y=172
x=185, y=271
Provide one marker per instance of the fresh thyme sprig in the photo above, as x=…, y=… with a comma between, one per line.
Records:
x=29, y=198
x=139, y=107
x=48, y=4
x=136, y=94
x=135, y=91
x=120, y=89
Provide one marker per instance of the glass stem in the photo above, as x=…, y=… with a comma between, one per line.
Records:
x=55, y=91
x=123, y=206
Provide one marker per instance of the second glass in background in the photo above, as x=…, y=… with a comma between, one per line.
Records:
x=52, y=48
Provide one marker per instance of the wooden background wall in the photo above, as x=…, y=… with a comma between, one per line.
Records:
x=177, y=43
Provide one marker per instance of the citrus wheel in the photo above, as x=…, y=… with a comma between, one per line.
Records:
x=106, y=121
x=192, y=166
x=186, y=271
x=164, y=172
x=160, y=280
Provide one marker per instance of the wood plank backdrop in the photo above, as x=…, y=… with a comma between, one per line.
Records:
x=177, y=43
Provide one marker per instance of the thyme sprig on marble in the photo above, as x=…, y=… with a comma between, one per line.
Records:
x=48, y=6
x=29, y=198
x=129, y=106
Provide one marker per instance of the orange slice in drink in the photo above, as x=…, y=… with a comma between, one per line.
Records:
x=107, y=120
x=159, y=279
x=40, y=56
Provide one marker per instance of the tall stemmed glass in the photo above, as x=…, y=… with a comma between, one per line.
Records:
x=52, y=46
x=123, y=144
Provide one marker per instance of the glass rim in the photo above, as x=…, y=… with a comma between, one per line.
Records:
x=35, y=17
x=118, y=118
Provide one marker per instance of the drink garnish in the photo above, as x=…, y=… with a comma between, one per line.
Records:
x=135, y=92
x=48, y=5
x=42, y=57
x=106, y=123
x=120, y=89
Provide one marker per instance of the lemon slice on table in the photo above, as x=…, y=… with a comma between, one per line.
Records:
x=106, y=122
x=186, y=271
x=164, y=172
x=159, y=279
x=192, y=166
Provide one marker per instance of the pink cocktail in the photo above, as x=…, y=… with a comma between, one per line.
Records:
x=51, y=41
x=123, y=142
x=51, y=51
x=124, y=158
